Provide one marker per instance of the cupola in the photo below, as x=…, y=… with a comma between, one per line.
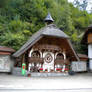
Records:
x=48, y=19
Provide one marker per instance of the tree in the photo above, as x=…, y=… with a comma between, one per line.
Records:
x=3, y=3
x=19, y=19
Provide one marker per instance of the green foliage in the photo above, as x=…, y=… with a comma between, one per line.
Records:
x=3, y=3
x=16, y=34
x=19, y=19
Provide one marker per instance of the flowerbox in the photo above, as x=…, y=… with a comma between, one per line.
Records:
x=41, y=69
x=58, y=69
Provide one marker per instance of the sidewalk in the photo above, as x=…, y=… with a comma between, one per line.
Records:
x=78, y=81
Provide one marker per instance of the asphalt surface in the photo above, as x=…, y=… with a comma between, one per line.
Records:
x=45, y=90
x=77, y=83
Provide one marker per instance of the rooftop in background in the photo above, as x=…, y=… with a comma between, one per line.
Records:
x=83, y=56
x=6, y=49
x=88, y=30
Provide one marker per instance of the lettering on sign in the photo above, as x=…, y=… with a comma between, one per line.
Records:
x=79, y=66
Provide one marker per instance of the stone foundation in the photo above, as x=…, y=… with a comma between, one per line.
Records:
x=17, y=71
x=48, y=74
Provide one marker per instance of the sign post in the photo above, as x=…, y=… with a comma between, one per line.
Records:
x=23, y=69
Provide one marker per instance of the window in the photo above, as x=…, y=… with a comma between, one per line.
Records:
x=60, y=56
x=35, y=54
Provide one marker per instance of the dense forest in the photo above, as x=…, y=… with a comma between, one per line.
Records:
x=19, y=19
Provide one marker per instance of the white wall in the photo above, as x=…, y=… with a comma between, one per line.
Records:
x=48, y=65
x=90, y=56
x=90, y=50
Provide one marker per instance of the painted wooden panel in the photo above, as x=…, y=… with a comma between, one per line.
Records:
x=5, y=63
x=90, y=38
x=79, y=66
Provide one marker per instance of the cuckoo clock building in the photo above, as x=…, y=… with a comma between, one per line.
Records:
x=48, y=50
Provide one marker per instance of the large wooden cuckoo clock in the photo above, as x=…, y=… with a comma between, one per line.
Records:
x=48, y=58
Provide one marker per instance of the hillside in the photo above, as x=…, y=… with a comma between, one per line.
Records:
x=19, y=19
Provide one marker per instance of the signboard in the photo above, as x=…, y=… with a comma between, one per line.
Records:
x=79, y=66
x=4, y=64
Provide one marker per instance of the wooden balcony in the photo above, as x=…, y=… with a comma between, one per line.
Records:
x=40, y=60
x=36, y=60
x=62, y=61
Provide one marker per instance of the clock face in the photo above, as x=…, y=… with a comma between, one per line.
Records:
x=48, y=58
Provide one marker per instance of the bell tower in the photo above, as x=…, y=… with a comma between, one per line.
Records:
x=48, y=20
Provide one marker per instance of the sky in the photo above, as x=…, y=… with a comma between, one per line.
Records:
x=89, y=4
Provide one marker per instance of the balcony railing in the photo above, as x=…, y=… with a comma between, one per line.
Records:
x=61, y=61
x=32, y=59
x=41, y=60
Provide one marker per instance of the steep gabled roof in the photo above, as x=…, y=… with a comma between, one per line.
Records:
x=49, y=30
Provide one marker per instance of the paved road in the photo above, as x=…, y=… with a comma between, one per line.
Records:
x=76, y=83
x=45, y=90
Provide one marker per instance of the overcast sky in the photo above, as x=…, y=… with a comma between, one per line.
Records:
x=89, y=4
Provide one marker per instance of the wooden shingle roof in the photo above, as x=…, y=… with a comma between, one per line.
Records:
x=48, y=30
